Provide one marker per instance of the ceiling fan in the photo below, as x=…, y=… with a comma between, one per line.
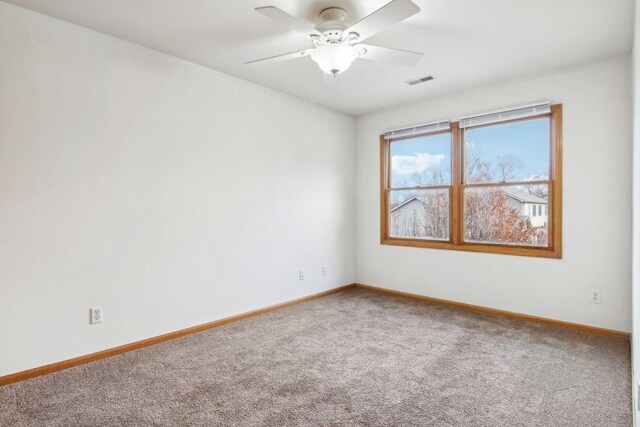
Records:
x=337, y=45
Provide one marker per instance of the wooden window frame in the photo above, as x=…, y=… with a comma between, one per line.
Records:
x=456, y=194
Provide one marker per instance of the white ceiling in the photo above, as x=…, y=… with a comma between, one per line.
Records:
x=466, y=43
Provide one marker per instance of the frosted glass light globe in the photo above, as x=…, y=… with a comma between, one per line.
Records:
x=334, y=58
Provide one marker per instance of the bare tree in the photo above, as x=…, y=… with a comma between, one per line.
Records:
x=477, y=168
x=539, y=190
x=490, y=218
x=440, y=174
x=508, y=168
x=437, y=215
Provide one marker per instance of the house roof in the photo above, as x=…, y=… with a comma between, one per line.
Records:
x=407, y=202
x=525, y=197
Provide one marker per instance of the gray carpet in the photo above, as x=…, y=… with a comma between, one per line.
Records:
x=353, y=358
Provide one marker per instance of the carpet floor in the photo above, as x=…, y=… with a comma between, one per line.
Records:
x=355, y=358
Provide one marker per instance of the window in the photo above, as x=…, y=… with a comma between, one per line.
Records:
x=475, y=185
x=420, y=184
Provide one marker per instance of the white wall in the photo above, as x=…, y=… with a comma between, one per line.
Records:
x=635, y=301
x=173, y=195
x=596, y=102
x=170, y=194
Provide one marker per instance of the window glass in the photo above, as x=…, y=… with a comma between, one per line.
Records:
x=497, y=215
x=421, y=161
x=511, y=152
x=419, y=214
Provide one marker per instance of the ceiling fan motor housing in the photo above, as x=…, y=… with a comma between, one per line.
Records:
x=333, y=23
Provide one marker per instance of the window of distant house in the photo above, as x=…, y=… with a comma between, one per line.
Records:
x=484, y=184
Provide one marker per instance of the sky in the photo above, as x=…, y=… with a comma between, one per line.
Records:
x=526, y=141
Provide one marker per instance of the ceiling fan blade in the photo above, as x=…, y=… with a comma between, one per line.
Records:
x=396, y=56
x=388, y=15
x=288, y=21
x=280, y=58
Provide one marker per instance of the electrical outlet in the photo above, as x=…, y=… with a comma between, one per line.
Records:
x=324, y=270
x=96, y=314
x=595, y=296
x=301, y=274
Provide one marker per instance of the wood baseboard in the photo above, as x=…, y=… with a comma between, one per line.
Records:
x=69, y=363
x=520, y=316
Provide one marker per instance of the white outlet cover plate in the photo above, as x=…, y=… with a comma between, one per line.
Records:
x=96, y=315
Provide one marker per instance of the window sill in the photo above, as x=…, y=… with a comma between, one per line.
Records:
x=475, y=247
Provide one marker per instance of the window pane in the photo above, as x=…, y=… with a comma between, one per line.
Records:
x=419, y=214
x=421, y=161
x=499, y=215
x=509, y=152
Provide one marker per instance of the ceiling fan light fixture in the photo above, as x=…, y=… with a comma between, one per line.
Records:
x=334, y=58
x=336, y=44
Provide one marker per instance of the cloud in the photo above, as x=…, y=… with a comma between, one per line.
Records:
x=417, y=163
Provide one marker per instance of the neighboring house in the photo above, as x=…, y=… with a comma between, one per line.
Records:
x=416, y=217
x=409, y=217
x=535, y=208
